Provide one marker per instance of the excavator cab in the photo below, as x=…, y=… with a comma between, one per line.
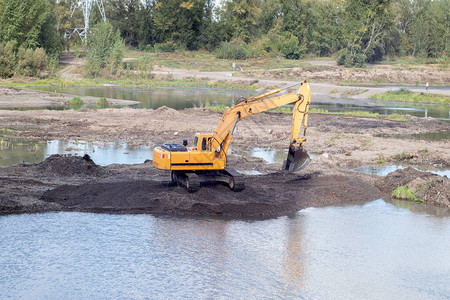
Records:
x=202, y=142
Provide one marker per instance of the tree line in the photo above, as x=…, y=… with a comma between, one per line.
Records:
x=356, y=31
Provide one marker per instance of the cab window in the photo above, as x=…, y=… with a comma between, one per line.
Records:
x=195, y=141
x=204, y=144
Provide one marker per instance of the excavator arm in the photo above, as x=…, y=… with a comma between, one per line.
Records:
x=223, y=133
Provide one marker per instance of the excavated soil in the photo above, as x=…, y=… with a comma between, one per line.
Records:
x=62, y=183
x=429, y=187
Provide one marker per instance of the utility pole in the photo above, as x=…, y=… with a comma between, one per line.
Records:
x=86, y=7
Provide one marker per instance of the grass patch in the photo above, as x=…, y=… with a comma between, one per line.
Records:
x=356, y=113
x=332, y=139
x=102, y=103
x=366, y=142
x=404, y=156
x=134, y=82
x=282, y=110
x=405, y=193
x=354, y=92
x=319, y=111
x=218, y=108
x=76, y=101
x=407, y=95
x=360, y=113
x=397, y=117
x=424, y=151
x=381, y=159
x=206, y=61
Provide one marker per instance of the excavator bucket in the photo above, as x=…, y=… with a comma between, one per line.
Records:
x=297, y=159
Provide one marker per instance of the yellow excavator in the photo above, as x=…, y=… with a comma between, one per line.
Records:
x=207, y=159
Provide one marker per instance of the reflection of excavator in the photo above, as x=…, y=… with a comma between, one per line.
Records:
x=207, y=159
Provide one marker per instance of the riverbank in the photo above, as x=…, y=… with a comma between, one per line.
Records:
x=14, y=98
x=338, y=144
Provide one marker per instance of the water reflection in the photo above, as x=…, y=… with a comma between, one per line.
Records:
x=177, y=98
x=17, y=151
x=385, y=170
x=295, y=267
x=373, y=250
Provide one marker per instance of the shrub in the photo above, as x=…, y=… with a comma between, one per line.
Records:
x=348, y=59
x=402, y=91
x=117, y=53
x=29, y=62
x=102, y=103
x=236, y=49
x=53, y=64
x=375, y=54
x=76, y=101
x=292, y=49
x=168, y=46
x=105, y=47
x=144, y=67
x=7, y=59
x=77, y=52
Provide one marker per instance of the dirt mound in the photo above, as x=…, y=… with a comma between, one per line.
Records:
x=265, y=196
x=429, y=187
x=60, y=165
x=165, y=198
x=166, y=111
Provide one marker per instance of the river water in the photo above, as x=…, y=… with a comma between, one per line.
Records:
x=181, y=98
x=374, y=250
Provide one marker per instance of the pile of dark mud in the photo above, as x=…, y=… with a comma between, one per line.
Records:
x=62, y=165
x=264, y=196
x=72, y=183
x=429, y=187
x=166, y=198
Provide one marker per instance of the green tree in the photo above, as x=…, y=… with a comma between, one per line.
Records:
x=105, y=46
x=298, y=20
x=179, y=21
x=27, y=23
x=365, y=24
x=7, y=59
x=429, y=28
x=241, y=19
x=146, y=24
x=29, y=62
x=125, y=16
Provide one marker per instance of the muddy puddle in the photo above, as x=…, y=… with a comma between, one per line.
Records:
x=268, y=155
x=333, y=252
x=428, y=136
x=385, y=170
x=18, y=151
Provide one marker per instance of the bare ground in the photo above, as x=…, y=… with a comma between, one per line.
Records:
x=339, y=143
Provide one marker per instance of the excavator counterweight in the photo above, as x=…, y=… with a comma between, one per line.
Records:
x=206, y=160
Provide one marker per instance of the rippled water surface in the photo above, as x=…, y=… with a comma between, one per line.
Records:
x=372, y=250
